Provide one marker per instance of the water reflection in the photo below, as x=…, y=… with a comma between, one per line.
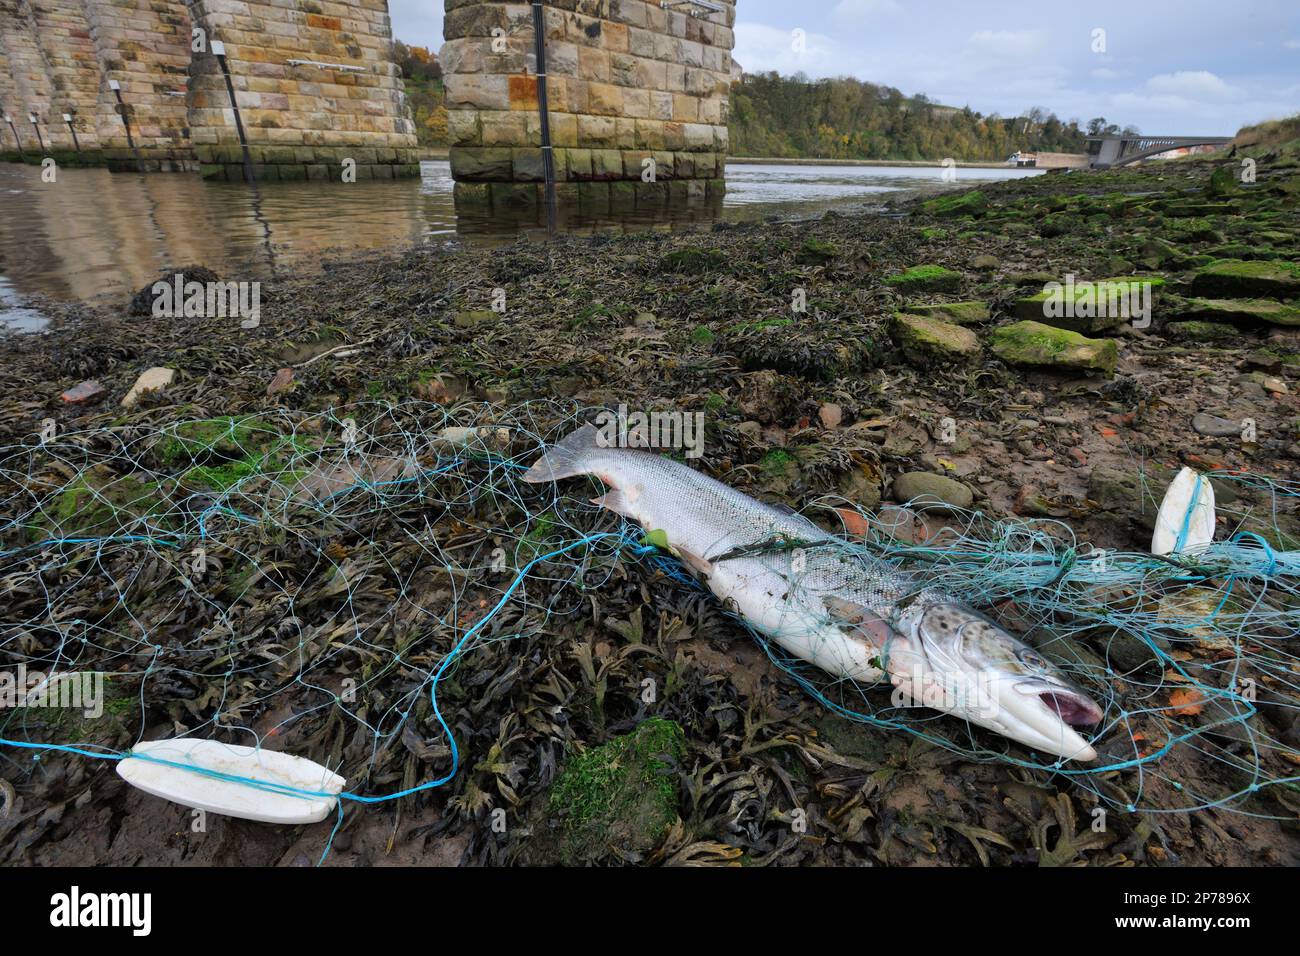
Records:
x=95, y=235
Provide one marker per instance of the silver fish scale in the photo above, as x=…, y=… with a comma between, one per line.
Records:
x=710, y=519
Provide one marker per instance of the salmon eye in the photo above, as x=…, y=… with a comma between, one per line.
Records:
x=1030, y=659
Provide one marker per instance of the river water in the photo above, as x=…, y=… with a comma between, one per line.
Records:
x=97, y=236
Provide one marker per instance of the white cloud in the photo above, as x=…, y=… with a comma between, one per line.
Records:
x=761, y=47
x=1105, y=73
x=1190, y=83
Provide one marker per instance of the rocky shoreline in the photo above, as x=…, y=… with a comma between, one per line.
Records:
x=869, y=357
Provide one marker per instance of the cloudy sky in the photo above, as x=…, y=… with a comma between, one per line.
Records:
x=1164, y=66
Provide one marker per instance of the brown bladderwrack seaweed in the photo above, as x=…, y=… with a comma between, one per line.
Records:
x=763, y=773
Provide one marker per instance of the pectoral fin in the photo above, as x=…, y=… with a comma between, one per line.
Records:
x=615, y=501
x=874, y=627
x=696, y=563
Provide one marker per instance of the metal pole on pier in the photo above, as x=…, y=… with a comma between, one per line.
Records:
x=116, y=87
x=219, y=50
x=548, y=160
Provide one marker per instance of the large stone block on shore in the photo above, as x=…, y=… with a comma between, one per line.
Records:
x=1250, y=311
x=1033, y=343
x=926, y=278
x=1089, y=307
x=1229, y=278
x=924, y=340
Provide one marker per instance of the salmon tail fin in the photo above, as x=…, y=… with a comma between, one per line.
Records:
x=565, y=458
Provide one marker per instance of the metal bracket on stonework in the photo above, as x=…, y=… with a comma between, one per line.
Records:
x=693, y=4
x=345, y=67
x=67, y=118
x=36, y=125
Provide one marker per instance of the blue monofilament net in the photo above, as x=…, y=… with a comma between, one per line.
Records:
x=234, y=577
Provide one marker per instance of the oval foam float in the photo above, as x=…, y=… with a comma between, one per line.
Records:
x=1187, y=511
x=231, y=798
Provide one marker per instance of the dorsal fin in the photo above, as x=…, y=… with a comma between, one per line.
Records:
x=564, y=459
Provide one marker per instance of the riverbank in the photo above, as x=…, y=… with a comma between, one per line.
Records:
x=911, y=357
x=752, y=160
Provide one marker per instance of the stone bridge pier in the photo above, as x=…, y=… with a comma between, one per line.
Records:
x=315, y=83
x=637, y=94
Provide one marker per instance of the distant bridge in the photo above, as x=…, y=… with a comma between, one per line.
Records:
x=1105, y=152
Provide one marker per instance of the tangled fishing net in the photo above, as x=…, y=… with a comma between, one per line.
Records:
x=336, y=573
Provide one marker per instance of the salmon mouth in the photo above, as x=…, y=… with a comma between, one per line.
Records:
x=1075, y=709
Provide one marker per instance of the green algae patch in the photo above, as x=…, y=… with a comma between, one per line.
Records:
x=1033, y=343
x=101, y=505
x=926, y=278
x=815, y=252
x=230, y=436
x=958, y=313
x=222, y=452
x=621, y=795
x=693, y=260
x=973, y=203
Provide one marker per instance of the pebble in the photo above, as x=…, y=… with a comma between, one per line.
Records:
x=282, y=381
x=925, y=488
x=84, y=392
x=150, y=380
x=831, y=415
x=1215, y=427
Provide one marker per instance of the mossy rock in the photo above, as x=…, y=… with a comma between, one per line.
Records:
x=925, y=340
x=1056, y=225
x=1097, y=305
x=222, y=452
x=780, y=471
x=1034, y=343
x=1229, y=278
x=693, y=260
x=1196, y=230
x=1244, y=250
x=1241, y=310
x=1190, y=210
x=621, y=795
x=814, y=252
x=973, y=203
x=1204, y=333
x=1156, y=252
x=958, y=313
x=926, y=278
x=1223, y=182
